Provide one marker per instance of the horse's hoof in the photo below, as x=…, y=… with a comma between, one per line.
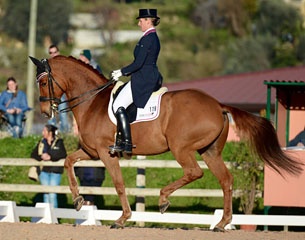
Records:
x=164, y=206
x=218, y=229
x=78, y=202
x=116, y=226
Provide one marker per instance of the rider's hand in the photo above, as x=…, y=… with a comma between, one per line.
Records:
x=116, y=74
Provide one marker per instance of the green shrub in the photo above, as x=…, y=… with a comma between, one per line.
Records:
x=248, y=170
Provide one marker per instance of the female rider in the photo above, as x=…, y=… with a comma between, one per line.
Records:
x=145, y=78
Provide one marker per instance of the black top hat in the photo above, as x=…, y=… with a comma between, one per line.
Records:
x=148, y=13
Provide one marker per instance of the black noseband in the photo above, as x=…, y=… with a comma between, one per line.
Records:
x=46, y=99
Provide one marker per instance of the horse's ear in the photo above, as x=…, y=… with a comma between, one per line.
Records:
x=39, y=65
x=36, y=61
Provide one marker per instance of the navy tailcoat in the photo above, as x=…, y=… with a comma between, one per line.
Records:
x=145, y=76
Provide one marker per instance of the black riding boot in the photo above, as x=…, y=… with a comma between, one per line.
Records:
x=123, y=139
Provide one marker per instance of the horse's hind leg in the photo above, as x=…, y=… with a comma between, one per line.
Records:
x=192, y=171
x=213, y=159
x=221, y=172
x=69, y=166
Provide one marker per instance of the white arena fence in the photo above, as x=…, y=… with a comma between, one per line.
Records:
x=90, y=215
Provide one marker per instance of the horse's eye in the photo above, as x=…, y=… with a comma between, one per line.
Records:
x=43, y=84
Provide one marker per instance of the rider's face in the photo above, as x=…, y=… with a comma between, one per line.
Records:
x=144, y=24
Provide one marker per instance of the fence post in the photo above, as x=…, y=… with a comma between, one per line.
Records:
x=140, y=182
x=90, y=217
x=8, y=212
x=48, y=217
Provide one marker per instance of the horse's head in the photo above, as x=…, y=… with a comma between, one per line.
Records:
x=61, y=74
x=50, y=90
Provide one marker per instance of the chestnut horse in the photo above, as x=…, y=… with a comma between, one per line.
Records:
x=190, y=121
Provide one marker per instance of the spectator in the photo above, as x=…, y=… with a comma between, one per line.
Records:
x=13, y=104
x=299, y=140
x=53, y=50
x=90, y=176
x=64, y=125
x=50, y=148
x=86, y=57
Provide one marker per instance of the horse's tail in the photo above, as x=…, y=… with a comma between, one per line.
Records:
x=261, y=135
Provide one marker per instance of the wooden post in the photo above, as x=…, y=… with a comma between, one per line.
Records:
x=140, y=182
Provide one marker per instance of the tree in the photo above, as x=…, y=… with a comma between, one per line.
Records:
x=237, y=14
x=279, y=19
x=108, y=19
x=245, y=55
x=52, y=19
x=206, y=15
x=301, y=48
x=232, y=14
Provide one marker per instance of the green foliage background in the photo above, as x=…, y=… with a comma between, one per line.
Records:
x=198, y=37
x=52, y=19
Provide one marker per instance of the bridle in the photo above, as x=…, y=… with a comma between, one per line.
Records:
x=55, y=102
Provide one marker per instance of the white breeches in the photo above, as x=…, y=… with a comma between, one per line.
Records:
x=124, y=99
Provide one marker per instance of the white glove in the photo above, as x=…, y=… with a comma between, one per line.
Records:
x=116, y=74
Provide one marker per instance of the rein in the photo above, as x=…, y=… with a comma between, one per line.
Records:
x=95, y=91
x=54, y=102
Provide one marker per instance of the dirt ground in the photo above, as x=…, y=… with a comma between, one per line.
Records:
x=32, y=231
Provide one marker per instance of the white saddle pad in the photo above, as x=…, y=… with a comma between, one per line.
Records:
x=149, y=113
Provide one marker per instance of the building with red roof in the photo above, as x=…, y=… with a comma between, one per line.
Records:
x=247, y=90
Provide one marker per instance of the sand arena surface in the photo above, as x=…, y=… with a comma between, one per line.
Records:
x=33, y=231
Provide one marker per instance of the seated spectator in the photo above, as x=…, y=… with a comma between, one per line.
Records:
x=299, y=140
x=13, y=103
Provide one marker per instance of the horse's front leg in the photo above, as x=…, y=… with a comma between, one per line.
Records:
x=114, y=170
x=69, y=166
